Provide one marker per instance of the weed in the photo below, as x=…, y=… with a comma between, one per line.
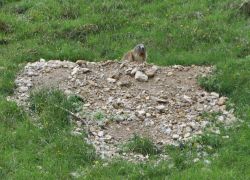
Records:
x=141, y=145
x=51, y=106
x=98, y=115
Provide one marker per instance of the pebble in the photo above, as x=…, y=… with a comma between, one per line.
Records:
x=187, y=135
x=111, y=80
x=161, y=108
x=23, y=89
x=214, y=94
x=170, y=73
x=85, y=70
x=74, y=71
x=100, y=133
x=175, y=136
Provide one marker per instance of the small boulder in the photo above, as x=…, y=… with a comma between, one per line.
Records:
x=140, y=76
x=151, y=72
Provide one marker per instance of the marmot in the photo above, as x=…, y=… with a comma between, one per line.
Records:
x=137, y=54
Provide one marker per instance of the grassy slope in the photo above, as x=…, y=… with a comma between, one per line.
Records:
x=175, y=32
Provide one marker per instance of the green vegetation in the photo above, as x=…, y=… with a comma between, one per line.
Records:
x=44, y=148
x=175, y=32
x=141, y=145
x=98, y=115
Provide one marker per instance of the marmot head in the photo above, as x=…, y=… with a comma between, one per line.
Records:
x=140, y=49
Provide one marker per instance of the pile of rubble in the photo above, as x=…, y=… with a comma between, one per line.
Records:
x=121, y=99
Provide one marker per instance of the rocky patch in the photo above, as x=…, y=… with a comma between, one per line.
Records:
x=121, y=99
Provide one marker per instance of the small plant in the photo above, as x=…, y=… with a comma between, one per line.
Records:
x=5, y=27
x=211, y=140
x=98, y=115
x=52, y=108
x=211, y=117
x=76, y=102
x=141, y=145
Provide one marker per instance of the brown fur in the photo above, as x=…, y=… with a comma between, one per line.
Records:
x=134, y=55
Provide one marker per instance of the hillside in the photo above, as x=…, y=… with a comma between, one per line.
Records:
x=200, y=32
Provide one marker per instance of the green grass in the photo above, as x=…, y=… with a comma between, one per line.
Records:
x=44, y=149
x=141, y=145
x=174, y=32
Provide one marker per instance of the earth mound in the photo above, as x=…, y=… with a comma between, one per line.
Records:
x=165, y=104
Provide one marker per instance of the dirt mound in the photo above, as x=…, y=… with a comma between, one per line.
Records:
x=122, y=99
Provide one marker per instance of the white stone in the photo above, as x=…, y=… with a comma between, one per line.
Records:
x=169, y=73
x=187, y=98
x=167, y=130
x=175, y=136
x=23, y=89
x=160, y=108
x=85, y=70
x=133, y=71
x=187, y=135
x=214, y=94
x=140, y=76
x=111, y=80
x=100, y=134
x=141, y=113
x=74, y=71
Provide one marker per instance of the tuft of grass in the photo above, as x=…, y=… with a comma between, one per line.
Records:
x=52, y=108
x=141, y=145
x=10, y=114
x=99, y=115
x=47, y=154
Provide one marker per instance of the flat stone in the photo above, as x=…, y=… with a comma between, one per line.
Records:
x=175, y=136
x=170, y=73
x=187, y=135
x=85, y=70
x=214, y=94
x=161, y=108
x=161, y=100
x=111, y=80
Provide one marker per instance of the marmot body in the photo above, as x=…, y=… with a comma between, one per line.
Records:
x=137, y=54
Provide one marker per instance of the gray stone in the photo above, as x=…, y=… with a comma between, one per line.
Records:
x=23, y=89
x=161, y=108
x=85, y=70
x=140, y=76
